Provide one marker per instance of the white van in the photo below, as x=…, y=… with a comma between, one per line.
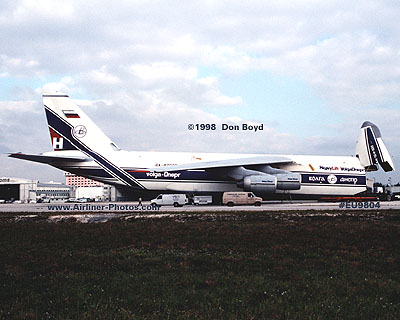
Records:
x=235, y=198
x=177, y=200
x=202, y=200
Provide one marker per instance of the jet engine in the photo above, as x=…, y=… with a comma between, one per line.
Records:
x=268, y=183
x=262, y=183
x=288, y=181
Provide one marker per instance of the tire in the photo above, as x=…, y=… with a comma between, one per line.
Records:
x=258, y=204
x=230, y=204
x=176, y=204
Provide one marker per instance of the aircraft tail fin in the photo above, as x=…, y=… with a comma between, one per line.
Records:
x=68, y=124
x=79, y=132
x=371, y=150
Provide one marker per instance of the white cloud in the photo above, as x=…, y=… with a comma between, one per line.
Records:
x=53, y=9
x=349, y=70
x=66, y=84
x=162, y=71
x=12, y=107
x=103, y=77
x=227, y=58
x=13, y=65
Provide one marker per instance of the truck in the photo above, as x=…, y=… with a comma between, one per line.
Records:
x=177, y=200
x=235, y=198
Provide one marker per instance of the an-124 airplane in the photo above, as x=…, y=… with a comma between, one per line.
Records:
x=80, y=147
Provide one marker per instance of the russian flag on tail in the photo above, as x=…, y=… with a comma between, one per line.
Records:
x=71, y=114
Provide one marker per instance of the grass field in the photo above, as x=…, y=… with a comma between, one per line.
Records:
x=241, y=266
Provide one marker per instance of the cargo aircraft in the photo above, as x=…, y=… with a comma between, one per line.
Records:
x=81, y=148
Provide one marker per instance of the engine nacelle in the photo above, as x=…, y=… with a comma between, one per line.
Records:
x=288, y=181
x=268, y=183
x=262, y=183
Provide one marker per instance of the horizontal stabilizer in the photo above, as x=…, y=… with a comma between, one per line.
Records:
x=46, y=159
x=202, y=165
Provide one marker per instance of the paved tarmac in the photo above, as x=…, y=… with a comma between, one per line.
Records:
x=132, y=207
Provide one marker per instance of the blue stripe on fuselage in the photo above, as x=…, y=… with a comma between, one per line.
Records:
x=333, y=179
x=143, y=175
x=179, y=175
x=206, y=176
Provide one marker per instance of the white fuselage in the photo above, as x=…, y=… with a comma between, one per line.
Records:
x=323, y=175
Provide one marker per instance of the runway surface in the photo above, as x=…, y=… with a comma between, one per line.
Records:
x=125, y=207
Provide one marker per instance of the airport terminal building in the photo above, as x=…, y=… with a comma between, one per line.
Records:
x=54, y=191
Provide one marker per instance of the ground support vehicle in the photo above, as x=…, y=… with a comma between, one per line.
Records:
x=237, y=198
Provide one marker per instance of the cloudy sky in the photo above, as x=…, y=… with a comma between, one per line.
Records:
x=310, y=71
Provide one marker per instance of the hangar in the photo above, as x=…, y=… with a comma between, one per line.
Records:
x=17, y=189
x=24, y=190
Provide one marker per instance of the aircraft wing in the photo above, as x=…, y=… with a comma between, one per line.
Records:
x=244, y=162
x=47, y=159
